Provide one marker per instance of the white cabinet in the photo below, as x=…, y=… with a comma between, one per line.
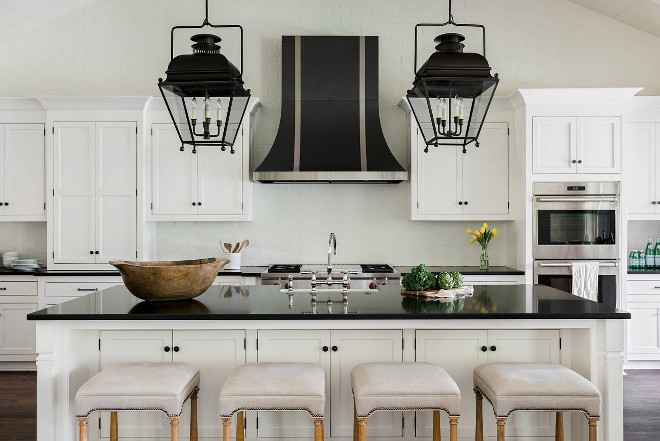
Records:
x=215, y=352
x=95, y=192
x=337, y=351
x=17, y=334
x=22, y=189
x=644, y=324
x=568, y=144
x=448, y=184
x=640, y=186
x=460, y=351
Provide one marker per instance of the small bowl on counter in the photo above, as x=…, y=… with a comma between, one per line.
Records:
x=169, y=280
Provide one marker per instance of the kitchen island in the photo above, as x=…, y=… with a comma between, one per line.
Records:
x=230, y=325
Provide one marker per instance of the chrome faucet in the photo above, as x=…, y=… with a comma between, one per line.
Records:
x=332, y=249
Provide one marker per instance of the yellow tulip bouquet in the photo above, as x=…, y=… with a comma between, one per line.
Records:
x=482, y=236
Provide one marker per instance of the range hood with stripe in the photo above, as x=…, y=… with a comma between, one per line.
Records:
x=329, y=126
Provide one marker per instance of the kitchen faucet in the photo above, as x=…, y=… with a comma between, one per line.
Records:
x=332, y=249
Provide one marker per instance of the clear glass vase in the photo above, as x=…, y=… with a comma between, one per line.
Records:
x=483, y=259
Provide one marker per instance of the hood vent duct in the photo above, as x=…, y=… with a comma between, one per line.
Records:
x=330, y=126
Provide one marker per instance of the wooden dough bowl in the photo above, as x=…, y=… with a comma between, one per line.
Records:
x=169, y=280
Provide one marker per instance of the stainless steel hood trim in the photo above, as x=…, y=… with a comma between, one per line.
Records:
x=325, y=176
x=363, y=109
x=298, y=106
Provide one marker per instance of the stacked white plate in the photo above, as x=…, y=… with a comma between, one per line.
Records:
x=9, y=258
x=26, y=265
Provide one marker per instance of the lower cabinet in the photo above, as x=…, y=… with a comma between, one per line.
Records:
x=17, y=334
x=644, y=325
x=460, y=351
x=215, y=352
x=337, y=351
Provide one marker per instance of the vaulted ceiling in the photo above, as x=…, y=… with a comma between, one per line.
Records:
x=640, y=14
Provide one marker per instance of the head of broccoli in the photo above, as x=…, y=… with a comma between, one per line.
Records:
x=418, y=279
x=445, y=281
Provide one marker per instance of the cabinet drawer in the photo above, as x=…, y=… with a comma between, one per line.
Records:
x=68, y=289
x=644, y=287
x=18, y=288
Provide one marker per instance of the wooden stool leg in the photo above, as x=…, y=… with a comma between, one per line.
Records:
x=240, y=427
x=174, y=423
x=559, y=427
x=113, y=426
x=436, y=425
x=362, y=429
x=453, y=428
x=193, y=416
x=82, y=428
x=355, y=423
x=318, y=429
x=479, y=426
x=226, y=424
x=592, y=428
x=500, y=429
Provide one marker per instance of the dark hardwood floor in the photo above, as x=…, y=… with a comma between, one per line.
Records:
x=641, y=405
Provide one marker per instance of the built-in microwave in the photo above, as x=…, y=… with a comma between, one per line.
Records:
x=575, y=220
x=558, y=274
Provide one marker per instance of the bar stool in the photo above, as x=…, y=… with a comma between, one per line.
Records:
x=273, y=386
x=140, y=386
x=404, y=386
x=534, y=386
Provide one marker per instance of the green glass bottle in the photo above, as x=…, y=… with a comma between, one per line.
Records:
x=656, y=265
x=649, y=254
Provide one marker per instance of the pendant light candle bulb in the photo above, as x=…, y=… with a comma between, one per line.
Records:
x=437, y=107
x=219, y=118
x=460, y=108
x=194, y=109
x=443, y=103
x=207, y=108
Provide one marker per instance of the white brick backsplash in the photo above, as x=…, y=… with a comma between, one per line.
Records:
x=28, y=238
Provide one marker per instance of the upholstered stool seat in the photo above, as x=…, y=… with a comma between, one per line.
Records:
x=273, y=386
x=136, y=387
x=404, y=386
x=511, y=387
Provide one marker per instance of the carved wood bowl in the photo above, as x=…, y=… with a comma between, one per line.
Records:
x=169, y=280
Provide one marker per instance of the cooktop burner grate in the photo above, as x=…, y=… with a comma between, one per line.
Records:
x=290, y=268
x=377, y=268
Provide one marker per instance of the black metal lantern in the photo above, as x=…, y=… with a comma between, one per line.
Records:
x=452, y=91
x=204, y=91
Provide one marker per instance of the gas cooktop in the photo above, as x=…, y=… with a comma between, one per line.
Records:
x=297, y=268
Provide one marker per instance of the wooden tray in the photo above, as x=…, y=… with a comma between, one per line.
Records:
x=440, y=293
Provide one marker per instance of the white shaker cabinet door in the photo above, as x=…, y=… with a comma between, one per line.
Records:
x=638, y=186
x=2, y=169
x=350, y=348
x=554, y=147
x=74, y=192
x=135, y=346
x=17, y=334
x=458, y=352
x=174, y=173
x=220, y=180
x=535, y=346
x=24, y=170
x=216, y=353
x=293, y=346
x=439, y=173
x=599, y=144
x=116, y=195
x=644, y=330
x=486, y=172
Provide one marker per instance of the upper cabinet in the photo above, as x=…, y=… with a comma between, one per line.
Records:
x=641, y=189
x=210, y=185
x=22, y=189
x=576, y=144
x=94, y=192
x=449, y=185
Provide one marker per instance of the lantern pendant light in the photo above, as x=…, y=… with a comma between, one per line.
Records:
x=203, y=84
x=452, y=91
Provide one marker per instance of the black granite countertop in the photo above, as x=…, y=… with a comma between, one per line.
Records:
x=469, y=270
x=245, y=271
x=267, y=302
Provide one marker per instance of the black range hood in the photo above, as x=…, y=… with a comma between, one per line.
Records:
x=330, y=126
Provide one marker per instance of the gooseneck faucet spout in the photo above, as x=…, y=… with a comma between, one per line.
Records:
x=332, y=249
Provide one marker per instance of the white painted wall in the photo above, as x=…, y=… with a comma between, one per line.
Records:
x=121, y=47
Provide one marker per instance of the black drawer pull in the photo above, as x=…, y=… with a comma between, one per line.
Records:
x=3, y=289
x=88, y=289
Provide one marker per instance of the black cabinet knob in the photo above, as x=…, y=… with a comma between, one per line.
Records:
x=579, y=161
x=199, y=203
x=91, y=252
x=335, y=349
x=573, y=161
x=6, y=203
x=194, y=203
x=465, y=202
x=484, y=349
x=653, y=202
x=325, y=349
x=166, y=349
x=493, y=348
x=460, y=202
x=96, y=252
x=176, y=349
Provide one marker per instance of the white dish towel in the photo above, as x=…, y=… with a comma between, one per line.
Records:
x=585, y=280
